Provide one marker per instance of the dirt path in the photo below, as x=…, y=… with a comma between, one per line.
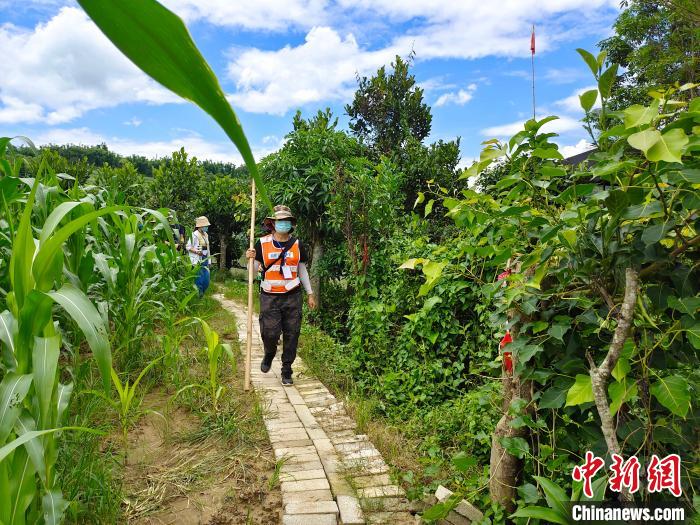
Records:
x=182, y=470
x=330, y=474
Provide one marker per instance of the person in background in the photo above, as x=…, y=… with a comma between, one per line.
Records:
x=281, y=259
x=178, y=232
x=198, y=249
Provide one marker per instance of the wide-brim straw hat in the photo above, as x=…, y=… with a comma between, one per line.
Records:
x=201, y=221
x=281, y=213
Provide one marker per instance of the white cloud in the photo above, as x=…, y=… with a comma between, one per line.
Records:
x=474, y=29
x=194, y=145
x=61, y=69
x=565, y=75
x=273, y=15
x=133, y=122
x=561, y=125
x=17, y=110
x=571, y=150
x=323, y=68
x=459, y=98
x=435, y=84
x=572, y=104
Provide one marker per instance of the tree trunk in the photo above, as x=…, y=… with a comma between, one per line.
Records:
x=315, y=275
x=506, y=468
x=223, y=246
x=601, y=374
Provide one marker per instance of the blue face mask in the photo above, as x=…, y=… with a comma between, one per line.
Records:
x=205, y=229
x=283, y=226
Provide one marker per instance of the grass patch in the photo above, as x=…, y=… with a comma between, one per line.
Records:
x=238, y=291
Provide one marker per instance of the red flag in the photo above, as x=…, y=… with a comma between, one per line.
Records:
x=532, y=40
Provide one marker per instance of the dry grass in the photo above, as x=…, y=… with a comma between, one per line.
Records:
x=199, y=466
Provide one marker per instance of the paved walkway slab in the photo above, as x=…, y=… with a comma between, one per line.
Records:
x=330, y=475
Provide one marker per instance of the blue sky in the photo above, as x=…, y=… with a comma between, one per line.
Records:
x=63, y=82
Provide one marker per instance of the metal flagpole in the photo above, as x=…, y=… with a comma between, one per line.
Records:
x=532, y=49
x=251, y=271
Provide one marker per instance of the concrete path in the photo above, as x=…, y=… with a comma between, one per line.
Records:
x=330, y=474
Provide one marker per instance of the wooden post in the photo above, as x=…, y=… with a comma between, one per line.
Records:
x=251, y=278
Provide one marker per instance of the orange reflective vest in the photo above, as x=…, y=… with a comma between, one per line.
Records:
x=280, y=278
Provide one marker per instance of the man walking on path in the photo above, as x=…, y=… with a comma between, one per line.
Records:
x=198, y=249
x=281, y=259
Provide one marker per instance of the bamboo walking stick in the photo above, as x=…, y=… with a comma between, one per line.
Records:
x=251, y=271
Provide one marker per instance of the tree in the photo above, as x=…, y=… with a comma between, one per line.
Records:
x=657, y=42
x=125, y=183
x=225, y=201
x=388, y=109
x=175, y=185
x=425, y=167
x=302, y=173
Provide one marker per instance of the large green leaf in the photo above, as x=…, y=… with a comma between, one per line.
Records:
x=553, y=397
x=644, y=140
x=24, y=483
x=554, y=494
x=590, y=60
x=86, y=316
x=638, y=115
x=607, y=78
x=35, y=448
x=33, y=434
x=57, y=215
x=157, y=41
x=646, y=209
x=13, y=390
x=673, y=393
x=657, y=147
x=543, y=514
x=588, y=99
x=53, y=506
x=62, y=399
x=22, y=252
x=580, y=392
x=515, y=446
x=669, y=148
x=45, y=366
x=621, y=392
x=8, y=331
x=44, y=269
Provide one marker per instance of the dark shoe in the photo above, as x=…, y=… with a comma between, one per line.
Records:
x=287, y=381
x=264, y=367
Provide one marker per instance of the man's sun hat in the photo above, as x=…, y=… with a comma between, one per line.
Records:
x=201, y=221
x=280, y=213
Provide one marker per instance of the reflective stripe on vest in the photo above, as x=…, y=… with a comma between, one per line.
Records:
x=274, y=281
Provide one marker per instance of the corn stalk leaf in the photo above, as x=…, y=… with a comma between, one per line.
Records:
x=53, y=506
x=35, y=448
x=8, y=331
x=45, y=365
x=28, y=436
x=25, y=485
x=22, y=252
x=13, y=390
x=157, y=41
x=80, y=308
x=62, y=400
x=44, y=269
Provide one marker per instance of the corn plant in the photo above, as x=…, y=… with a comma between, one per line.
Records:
x=130, y=260
x=215, y=351
x=33, y=402
x=126, y=404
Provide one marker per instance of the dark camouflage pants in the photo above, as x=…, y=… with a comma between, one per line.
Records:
x=280, y=314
